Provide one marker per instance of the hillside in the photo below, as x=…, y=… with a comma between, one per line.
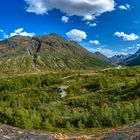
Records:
x=44, y=53
x=103, y=57
x=133, y=60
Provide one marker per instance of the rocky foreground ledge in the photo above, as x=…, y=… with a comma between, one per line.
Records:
x=131, y=132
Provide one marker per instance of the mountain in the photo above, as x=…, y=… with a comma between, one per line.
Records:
x=21, y=54
x=101, y=56
x=118, y=58
x=133, y=60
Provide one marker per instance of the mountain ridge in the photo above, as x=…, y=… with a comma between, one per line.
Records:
x=118, y=58
x=132, y=60
x=50, y=52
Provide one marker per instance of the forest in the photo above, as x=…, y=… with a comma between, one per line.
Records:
x=71, y=100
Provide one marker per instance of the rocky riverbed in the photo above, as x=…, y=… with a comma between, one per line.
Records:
x=131, y=132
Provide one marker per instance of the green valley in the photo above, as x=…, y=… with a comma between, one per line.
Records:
x=71, y=100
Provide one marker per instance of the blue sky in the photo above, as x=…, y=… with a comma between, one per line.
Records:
x=109, y=26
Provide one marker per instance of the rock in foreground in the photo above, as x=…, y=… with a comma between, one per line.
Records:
x=131, y=132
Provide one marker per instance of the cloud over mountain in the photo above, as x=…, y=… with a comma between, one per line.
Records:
x=76, y=35
x=95, y=42
x=21, y=32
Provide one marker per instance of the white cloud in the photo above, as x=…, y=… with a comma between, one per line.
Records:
x=4, y=35
x=124, y=7
x=76, y=35
x=65, y=19
x=89, y=17
x=1, y=31
x=37, y=6
x=95, y=42
x=130, y=49
x=127, y=37
x=91, y=24
x=105, y=51
x=21, y=32
x=92, y=8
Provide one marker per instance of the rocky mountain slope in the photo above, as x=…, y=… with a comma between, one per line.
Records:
x=118, y=58
x=103, y=57
x=133, y=60
x=44, y=53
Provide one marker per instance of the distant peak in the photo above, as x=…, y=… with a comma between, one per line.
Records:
x=98, y=53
